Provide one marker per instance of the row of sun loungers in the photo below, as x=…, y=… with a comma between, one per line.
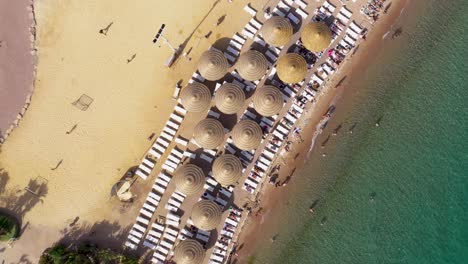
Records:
x=147, y=211
x=161, y=144
x=231, y=223
x=234, y=47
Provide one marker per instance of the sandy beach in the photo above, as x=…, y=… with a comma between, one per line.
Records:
x=266, y=215
x=130, y=101
x=16, y=62
x=71, y=157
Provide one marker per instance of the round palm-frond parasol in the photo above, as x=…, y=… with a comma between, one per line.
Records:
x=268, y=100
x=209, y=133
x=316, y=36
x=189, y=251
x=229, y=98
x=227, y=169
x=189, y=179
x=277, y=31
x=247, y=134
x=213, y=65
x=196, y=97
x=206, y=215
x=292, y=68
x=252, y=65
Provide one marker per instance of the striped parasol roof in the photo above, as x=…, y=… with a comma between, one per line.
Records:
x=229, y=98
x=247, y=134
x=227, y=169
x=189, y=251
x=189, y=179
x=291, y=68
x=252, y=65
x=316, y=36
x=277, y=31
x=268, y=100
x=213, y=65
x=196, y=97
x=206, y=215
x=209, y=133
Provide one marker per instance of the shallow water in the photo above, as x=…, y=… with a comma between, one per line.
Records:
x=395, y=193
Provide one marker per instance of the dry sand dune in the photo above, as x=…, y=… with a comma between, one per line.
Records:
x=130, y=101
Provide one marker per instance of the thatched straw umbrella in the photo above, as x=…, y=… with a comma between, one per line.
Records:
x=227, y=169
x=316, y=36
x=196, y=97
x=189, y=179
x=229, y=98
x=209, y=133
x=277, y=31
x=268, y=100
x=252, y=65
x=292, y=68
x=213, y=65
x=247, y=135
x=189, y=251
x=206, y=215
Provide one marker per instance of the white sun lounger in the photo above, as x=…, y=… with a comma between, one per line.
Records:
x=169, y=131
x=342, y=18
x=249, y=181
x=141, y=174
x=179, y=109
x=159, y=256
x=159, y=147
x=173, y=125
x=163, y=142
x=314, y=77
x=346, y=12
x=206, y=158
x=173, y=159
x=217, y=258
x=251, y=28
x=148, y=163
x=260, y=41
x=190, y=154
x=130, y=245
x=250, y=10
x=166, y=136
x=154, y=153
x=144, y=168
x=262, y=166
x=358, y=29
x=139, y=227
x=162, y=250
x=170, y=169
x=278, y=12
x=134, y=239
x=294, y=19
x=181, y=141
x=233, y=51
x=146, y=213
x=142, y=220
x=231, y=222
x=172, y=231
x=257, y=24
x=247, y=33
x=348, y=39
x=352, y=34
x=301, y=3
x=136, y=233
x=239, y=38
x=230, y=57
x=329, y=6
x=176, y=117
x=149, y=207
x=302, y=13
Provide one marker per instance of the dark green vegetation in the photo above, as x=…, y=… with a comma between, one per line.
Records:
x=84, y=254
x=9, y=227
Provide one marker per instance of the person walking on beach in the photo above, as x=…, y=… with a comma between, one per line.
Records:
x=104, y=30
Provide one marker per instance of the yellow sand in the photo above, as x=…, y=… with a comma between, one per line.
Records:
x=131, y=101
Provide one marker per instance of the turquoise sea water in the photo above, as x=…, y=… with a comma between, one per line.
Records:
x=397, y=193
